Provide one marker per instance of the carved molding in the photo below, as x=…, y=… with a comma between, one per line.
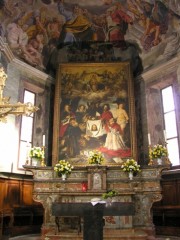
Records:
x=6, y=50
x=162, y=70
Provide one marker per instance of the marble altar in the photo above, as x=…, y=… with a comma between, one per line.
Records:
x=142, y=192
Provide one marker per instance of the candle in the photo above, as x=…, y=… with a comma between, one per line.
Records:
x=149, y=139
x=11, y=167
x=27, y=150
x=43, y=140
x=165, y=138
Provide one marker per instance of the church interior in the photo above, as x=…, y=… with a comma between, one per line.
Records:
x=90, y=119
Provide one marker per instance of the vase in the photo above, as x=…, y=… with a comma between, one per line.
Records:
x=36, y=162
x=131, y=175
x=63, y=176
x=159, y=161
x=108, y=201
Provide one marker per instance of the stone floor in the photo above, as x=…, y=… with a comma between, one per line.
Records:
x=37, y=237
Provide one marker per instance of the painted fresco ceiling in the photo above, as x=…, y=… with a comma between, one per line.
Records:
x=41, y=32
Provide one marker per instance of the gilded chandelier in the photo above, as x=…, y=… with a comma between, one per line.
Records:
x=7, y=108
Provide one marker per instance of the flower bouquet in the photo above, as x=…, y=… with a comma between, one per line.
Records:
x=131, y=166
x=63, y=167
x=37, y=155
x=158, y=151
x=36, y=152
x=95, y=157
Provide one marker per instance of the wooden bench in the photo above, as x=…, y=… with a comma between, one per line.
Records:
x=166, y=211
x=6, y=222
x=27, y=219
x=23, y=216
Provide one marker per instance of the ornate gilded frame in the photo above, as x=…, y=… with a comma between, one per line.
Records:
x=114, y=83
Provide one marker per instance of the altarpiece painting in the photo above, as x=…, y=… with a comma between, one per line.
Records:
x=94, y=110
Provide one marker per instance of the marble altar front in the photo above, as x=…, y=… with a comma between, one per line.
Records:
x=142, y=192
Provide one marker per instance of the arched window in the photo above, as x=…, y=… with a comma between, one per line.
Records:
x=170, y=124
x=26, y=131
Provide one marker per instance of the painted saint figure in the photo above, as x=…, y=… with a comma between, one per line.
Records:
x=121, y=116
x=114, y=145
x=117, y=22
x=77, y=25
x=66, y=115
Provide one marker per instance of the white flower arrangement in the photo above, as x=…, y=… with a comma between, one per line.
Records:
x=95, y=157
x=36, y=152
x=63, y=167
x=158, y=151
x=130, y=166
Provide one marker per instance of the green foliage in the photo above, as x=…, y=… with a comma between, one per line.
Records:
x=109, y=194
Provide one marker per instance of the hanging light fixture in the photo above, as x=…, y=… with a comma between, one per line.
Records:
x=7, y=108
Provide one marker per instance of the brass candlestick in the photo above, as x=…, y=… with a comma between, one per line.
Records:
x=27, y=154
x=151, y=160
x=167, y=160
x=27, y=161
x=43, y=158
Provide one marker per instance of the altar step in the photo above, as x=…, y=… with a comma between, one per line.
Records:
x=123, y=234
x=107, y=235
